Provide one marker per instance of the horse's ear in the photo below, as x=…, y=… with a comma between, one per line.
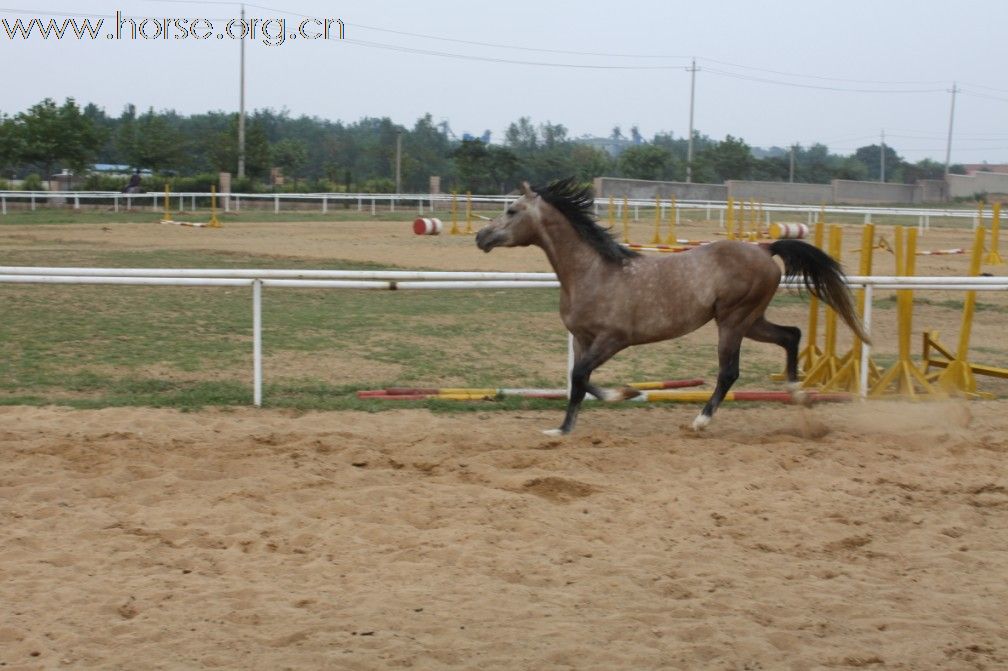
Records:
x=527, y=190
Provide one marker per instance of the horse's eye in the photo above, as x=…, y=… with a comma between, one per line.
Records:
x=511, y=212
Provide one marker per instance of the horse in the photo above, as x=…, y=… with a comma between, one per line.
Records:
x=612, y=297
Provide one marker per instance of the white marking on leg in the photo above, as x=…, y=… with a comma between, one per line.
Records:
x=553, y=432
x=701, y=422
x=798, y=395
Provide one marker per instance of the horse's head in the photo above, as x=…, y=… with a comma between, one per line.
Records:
x=518, y=227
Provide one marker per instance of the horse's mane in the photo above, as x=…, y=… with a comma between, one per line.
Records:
x=575, y=204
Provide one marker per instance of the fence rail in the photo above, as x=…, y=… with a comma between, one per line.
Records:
x=410, y=280
x=432, y=202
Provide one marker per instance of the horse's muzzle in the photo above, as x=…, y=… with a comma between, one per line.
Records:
x=488, y=238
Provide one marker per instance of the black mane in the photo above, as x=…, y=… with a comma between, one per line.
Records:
x=575, y=203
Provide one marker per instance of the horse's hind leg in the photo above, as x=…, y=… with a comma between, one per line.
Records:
x=787, y=337
x=729, y=349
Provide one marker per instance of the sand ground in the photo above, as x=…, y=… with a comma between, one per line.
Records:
x=844, y=536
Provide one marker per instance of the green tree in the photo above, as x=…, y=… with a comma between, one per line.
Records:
x=729, y=159
x=157, y=145
x=646, y=161
x=291, y=155
x=871, y=157
x=48, y=136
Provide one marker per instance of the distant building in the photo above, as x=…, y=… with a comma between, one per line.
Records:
x=973, y=168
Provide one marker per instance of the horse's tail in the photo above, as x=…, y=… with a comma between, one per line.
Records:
x=822, y=276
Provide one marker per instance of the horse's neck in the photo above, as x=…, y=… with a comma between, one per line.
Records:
x=571, y=257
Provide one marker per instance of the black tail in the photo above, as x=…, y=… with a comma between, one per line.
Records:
x=822, y=276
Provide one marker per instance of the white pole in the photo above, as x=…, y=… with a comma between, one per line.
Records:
x=276, y=204
x=865, y=347
x=257, y=343
x=570, y=361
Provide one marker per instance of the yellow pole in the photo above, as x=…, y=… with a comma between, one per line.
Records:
x=214, y=222
x=167, y=210
x=994, y=256
x=958, y=376
x=468, y=228
x=610, y=216
x=673, y=212
x=454, y=215
x=656, y=238
x=826, y=367
x=626, y=221
x=730, y=218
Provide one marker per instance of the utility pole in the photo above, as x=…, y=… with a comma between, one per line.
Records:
x=791, y=169
x=241, y=101
x=398, y=162
x=882, y=159
x=689, y=146
x=948, y=146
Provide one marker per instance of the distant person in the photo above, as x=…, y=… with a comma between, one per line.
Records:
x=134, y=183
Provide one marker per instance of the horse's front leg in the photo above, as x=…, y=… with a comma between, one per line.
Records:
x=587, y=357
x=729, y=349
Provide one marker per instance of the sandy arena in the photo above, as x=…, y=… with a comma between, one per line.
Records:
x=842, y=536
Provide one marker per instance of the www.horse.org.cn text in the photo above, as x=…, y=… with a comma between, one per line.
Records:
x=269, y=31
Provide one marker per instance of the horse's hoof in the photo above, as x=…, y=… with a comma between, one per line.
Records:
x=554, y=432
x=701, y=422
x=798, y=395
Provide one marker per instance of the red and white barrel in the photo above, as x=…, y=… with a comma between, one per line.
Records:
x=779, y=230
x=427, y=226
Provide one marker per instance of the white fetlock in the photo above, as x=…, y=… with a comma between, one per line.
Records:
x=553, y=432
x=798, y=395
x=611, y=395
x=701, y=422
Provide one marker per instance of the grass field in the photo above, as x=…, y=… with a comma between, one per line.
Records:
x=189, y=347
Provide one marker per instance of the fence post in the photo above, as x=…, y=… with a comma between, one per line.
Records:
x=325, y=204
x=4, y=201
x=115, y=201
x=257, y=343
x=276, y=204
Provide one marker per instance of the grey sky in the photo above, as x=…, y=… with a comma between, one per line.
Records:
x=887, y=45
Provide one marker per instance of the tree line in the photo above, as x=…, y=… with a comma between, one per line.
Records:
x=322, y=155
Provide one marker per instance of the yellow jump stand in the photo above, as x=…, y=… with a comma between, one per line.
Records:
x=214, y=221
x=808, y=357
x=656, y=238
x=904, y=378
x=610, y=213
x=468, y=228
x=993, y=257
x=827, y=365
x=730, y=218
x=625, y=219
x=167, y=219
x=673, y=212
x=454, y=215
x=848, y=376
x=957, y=378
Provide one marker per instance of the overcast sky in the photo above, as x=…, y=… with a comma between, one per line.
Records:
x=772, y=72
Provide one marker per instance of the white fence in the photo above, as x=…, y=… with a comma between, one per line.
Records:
x=427, y=202
x=410, y=280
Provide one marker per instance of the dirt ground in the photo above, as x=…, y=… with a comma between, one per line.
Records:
x=842, y=536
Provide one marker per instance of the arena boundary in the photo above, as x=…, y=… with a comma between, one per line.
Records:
x=386, y=280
